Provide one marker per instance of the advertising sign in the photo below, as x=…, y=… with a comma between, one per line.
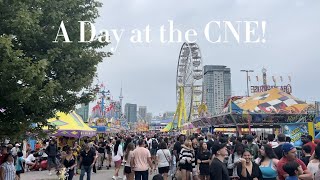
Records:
x=257, y=89
x=294, y=131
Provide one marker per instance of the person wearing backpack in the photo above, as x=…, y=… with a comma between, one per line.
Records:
x=154, y=148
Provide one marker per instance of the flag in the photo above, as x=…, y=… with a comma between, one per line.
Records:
x=281, y=79
x=257, y=78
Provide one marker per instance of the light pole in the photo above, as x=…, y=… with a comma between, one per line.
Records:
x=247, y=71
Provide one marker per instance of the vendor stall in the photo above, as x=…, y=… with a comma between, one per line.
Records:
x=70, y=125
x=271, y=109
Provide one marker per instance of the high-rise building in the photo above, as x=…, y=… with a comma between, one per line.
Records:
x=143, y=112
x=83, y=111
x=149, y=117
x=217, y=87
x=131, y=112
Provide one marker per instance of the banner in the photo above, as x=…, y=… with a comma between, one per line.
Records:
x=294, y=131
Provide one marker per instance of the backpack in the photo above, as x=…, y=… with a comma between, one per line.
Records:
x=154, y=144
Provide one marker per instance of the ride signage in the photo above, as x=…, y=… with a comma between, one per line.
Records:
x=257, y=89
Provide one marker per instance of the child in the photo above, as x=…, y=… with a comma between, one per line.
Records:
x=293, y=169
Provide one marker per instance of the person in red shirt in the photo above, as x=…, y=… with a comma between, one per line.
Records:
x=290, y=154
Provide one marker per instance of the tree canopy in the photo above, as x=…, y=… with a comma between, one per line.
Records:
x=39, y=77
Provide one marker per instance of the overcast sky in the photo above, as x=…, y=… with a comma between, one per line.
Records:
x=148, y=70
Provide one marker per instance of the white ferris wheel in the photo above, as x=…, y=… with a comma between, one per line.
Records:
x=189, y=88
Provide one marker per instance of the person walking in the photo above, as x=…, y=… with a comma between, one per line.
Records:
x=87, y=160
x=52, y=152
x=187, y=160
x=101, y=150
x=109, y=149
x=218, y=170
x=127, y=157
x=19, y=164
x=69, y=163
x=153, y=145
x=116, y=157
x=204, y=159
x=163, y=160
x=140, y=160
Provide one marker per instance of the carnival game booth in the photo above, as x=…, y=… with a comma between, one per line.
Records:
x=100, y=125
x=272, y=111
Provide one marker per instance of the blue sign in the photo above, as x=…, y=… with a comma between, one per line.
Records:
x=294, y=131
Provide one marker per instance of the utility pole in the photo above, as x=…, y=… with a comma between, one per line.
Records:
x=247, y=72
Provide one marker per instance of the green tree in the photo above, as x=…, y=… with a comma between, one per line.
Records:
x=39, y=77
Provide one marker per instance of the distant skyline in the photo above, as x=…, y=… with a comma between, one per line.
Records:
x=148, y=71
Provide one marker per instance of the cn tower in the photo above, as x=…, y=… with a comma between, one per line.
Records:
x=120, y=98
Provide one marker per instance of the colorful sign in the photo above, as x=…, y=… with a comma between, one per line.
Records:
x=294, y=131
x=257, y=89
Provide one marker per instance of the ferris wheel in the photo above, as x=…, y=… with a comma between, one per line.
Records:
x=189, y=82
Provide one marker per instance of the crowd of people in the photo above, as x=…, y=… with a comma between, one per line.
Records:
x=198, y=157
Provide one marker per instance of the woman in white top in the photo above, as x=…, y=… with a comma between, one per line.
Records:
x=31, y=161
x=314, y=162
x=163, y=160
x=116, y=157
x=127, y=157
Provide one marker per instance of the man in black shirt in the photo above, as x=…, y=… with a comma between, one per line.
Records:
x=306, y=150
x=109, y=148
x=87, y=160
x=218, y=170
x=101, y=150
x=210, y=141
x=278, y=150
x=177, y=146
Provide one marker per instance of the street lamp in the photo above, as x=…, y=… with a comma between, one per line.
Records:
x=247, y=71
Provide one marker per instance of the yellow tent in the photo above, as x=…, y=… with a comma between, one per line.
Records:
x=70, y=125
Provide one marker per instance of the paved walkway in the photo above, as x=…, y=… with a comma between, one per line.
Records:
x=44, y=175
